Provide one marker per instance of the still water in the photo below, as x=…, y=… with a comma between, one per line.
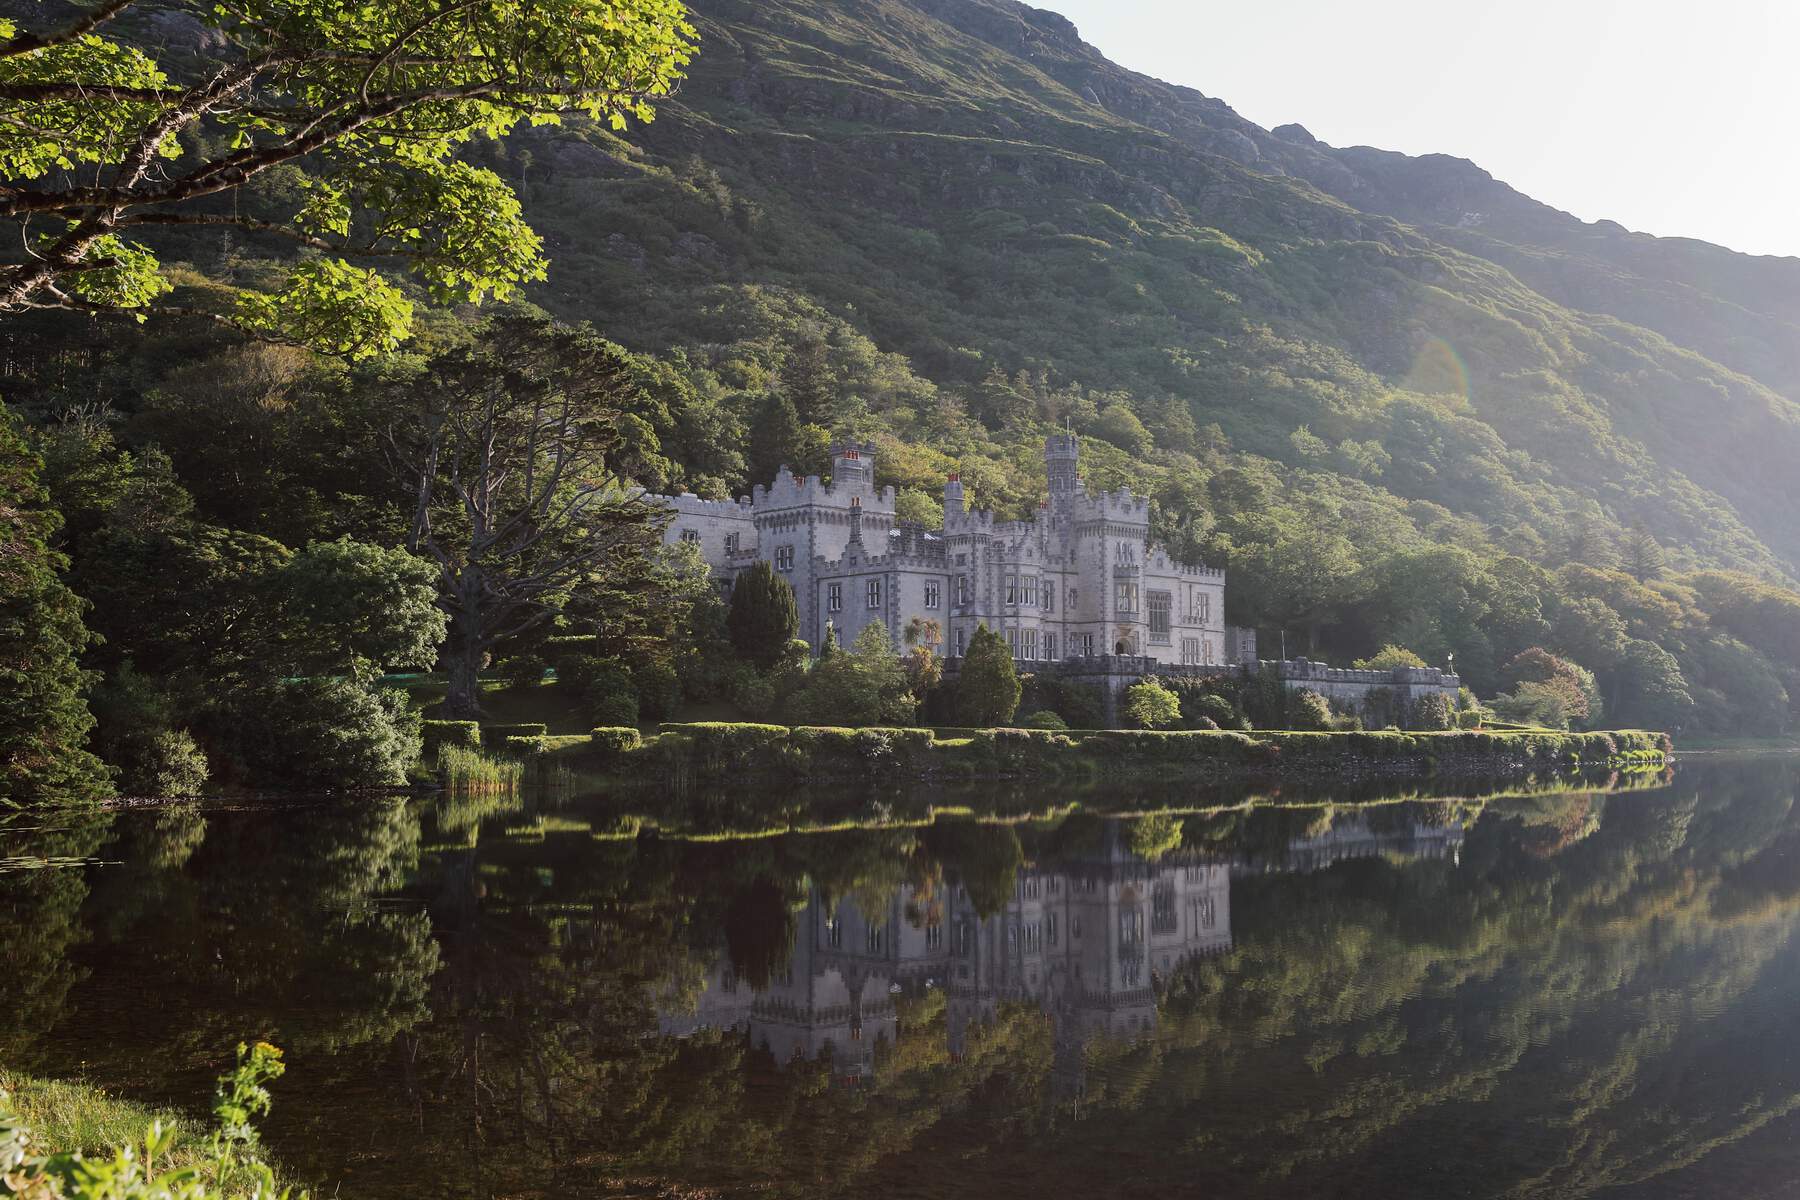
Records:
x=1561, y=994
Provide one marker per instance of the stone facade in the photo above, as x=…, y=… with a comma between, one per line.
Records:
x=1347, y=688
x=1081, y=579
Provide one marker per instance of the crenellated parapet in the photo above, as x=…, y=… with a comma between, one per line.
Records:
x=689, y=505
x=791, y=490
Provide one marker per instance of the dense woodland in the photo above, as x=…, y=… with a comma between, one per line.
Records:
x=1561, y=453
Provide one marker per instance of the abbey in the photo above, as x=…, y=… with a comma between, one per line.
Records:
x=1079, y=580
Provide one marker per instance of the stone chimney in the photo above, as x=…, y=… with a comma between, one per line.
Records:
x=953, y=496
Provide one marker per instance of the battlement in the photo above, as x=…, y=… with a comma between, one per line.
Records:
x=789, y=490
x=689, y=505
x=1121, y=505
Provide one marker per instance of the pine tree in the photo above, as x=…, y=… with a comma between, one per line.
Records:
x=774, y=438
x=763, y=617
x=1643, y=557
x=44, y=718
x=987, y=690
x=808, y=383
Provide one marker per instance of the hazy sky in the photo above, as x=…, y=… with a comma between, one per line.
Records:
x=1680, y=119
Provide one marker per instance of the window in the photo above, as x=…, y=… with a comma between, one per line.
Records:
x=1159, y=616
x=1125, y=598
x=1034, y=936
x=1012, y=589
x=1075, y=926
x=784, y=558
x=1131, y=927
x=1050, y=646
x=1050, y=928
x=732, y=542
x=690, y=535
x=1203, y=609
x=1071, y=599
x=1012, y=642
x=1162, y=907
x=1190, y=652
x=1083, y=643
x=1204, y=912
x=934, y=937
x=1031, y=643
x=875, y=937
x=1206, y=651
x=873, y=591
x=834, y=597
x=1031, y=590
x=959, y=643
x=962, y=589
x=1049, y=595
x=931, y=593
x=834, y=931
x=965, y=939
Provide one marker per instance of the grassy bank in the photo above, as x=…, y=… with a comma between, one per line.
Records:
x=67, y=1115
x=721, y=751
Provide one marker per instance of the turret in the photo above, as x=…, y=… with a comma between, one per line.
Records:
x=1062, y=463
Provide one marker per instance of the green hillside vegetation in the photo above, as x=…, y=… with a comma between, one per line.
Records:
x=1400, y=403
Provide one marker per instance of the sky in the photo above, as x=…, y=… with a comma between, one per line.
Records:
x=1675, y=118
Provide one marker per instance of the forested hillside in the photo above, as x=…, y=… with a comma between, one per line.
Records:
x=1398, y=401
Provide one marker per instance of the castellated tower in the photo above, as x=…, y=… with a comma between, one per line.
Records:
x=1062, y=460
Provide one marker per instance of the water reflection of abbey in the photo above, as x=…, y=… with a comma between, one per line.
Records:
x=1090, y=940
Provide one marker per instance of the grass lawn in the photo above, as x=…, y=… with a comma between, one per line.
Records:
x=69, y=1115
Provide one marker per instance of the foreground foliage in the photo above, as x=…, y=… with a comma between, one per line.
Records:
x=361, y=110
x=155, y=1164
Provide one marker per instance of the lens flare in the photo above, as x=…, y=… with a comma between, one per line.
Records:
x=1438, y=370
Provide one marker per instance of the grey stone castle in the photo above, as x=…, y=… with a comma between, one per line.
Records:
x=1080, y=580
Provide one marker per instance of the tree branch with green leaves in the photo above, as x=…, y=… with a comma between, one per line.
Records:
x=372, y=103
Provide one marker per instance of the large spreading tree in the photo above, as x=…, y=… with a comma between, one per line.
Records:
x=508, y=448
x=333, y=125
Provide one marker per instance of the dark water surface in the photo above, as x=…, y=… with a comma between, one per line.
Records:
x=1565, y=994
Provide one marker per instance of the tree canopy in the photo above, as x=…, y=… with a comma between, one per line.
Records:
x=340, y=124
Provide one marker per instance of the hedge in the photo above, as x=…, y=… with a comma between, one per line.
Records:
x=466, y=734
x=615, y=739
x=494, y=736
x=739, y=749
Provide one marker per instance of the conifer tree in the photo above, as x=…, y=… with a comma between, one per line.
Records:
x=774, y=434
x=44, y=717
x=808, y=383
x=763, y=617
x=1643, y=557
x=987, y=690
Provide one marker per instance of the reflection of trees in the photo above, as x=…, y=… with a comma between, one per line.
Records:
x=1575, y=996
x=250, y=925
x=1374, y=1023
x=40, y=913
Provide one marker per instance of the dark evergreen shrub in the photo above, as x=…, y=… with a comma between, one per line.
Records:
x=324, y=733
x=1307, y=710
x=158, y=762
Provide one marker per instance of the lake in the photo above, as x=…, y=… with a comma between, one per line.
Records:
x=1556, y=993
